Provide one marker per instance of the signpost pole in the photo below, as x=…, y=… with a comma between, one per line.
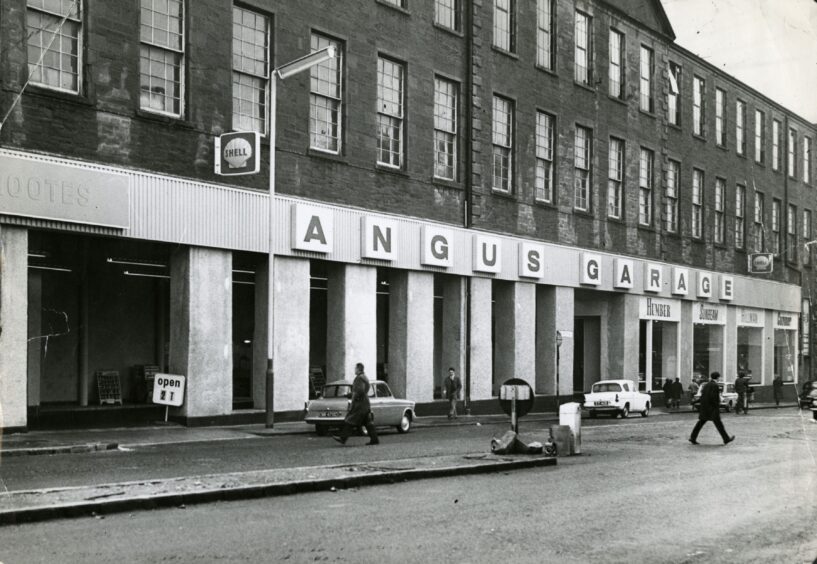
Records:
x=167, y=408
x=514, y=421
x=558, y=346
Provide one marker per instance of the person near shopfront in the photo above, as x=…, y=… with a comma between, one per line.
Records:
x=693, y=389
x=777, y=385
x=677, y=393
x=742, y=389
x=667, y=387
x=710, y=410
x=453, y=385
x=360, y=412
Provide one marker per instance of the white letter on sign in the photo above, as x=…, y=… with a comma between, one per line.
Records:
x=591, y=269
x=311, y=228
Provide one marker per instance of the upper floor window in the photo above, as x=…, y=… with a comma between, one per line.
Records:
x=698, y=107
x=740, y=216
x=54, y=41
x=504, y=24
x=791, y=233
x=447, y=13
x=673, y=101
x=616, y=70
x=502, y=128
x=792, y=162
x=740, y=127
x=250, y=70
x=672, y=194
x=615, y=178
x=720, y=189
x=161, y=61
x=646, y=164
x=807, y=236
x=807, y=159
x=325, y=97
x=544, y=33
x=759, y=234
x=760, y=137
x=697, y=202
x=645, y=89
x=390, y=88
x=720, y=120
x=584, y=49
x=582, y=159
x=445, y=129
x=544, y=157
x=776, y=226
x=775, y=145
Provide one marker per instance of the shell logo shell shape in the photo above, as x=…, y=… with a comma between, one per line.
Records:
x=237, y=152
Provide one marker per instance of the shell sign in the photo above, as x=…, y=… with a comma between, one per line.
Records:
x=238, y=153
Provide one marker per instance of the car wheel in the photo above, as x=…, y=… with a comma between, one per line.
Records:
x=625, y=412
x=321, y=430
x=646, y=411
x=405, y=424
x=593, y=414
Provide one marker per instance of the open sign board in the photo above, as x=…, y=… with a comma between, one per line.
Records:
x=168, y=389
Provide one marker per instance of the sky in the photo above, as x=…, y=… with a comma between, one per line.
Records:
x=771, y=45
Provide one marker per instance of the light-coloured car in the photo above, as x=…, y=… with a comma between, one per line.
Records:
x=616, y=397
x=729, y=397
x=329, y=410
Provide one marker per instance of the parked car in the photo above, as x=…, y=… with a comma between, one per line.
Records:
x=729, y=397
x=808, y=396
x=329, y=410
x=616, y=397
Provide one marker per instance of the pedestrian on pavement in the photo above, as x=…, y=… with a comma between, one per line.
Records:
x=742, y=389
x=360, y=412
x=693, y=390
x=667, y=387
x=453, y=385
x=677, y=392
x=710, y=410
x=777, y=384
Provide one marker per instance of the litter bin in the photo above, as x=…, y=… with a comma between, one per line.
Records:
x=570, y=414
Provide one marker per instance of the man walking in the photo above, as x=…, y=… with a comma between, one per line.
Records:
x=453, y=385
x=777, y=385
x=360, y=411
x=710, y=410
x=742, y=388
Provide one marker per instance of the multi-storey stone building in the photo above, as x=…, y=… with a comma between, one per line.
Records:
x=460, y=183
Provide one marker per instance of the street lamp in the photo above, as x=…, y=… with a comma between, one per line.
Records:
x=282, y=72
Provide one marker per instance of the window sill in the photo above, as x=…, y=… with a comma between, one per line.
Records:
x=584, y=86
x=617, y=220
x=391, y=170
x=646, y=113
x=165, y=119
x=446, y=183
x=675, y=126
x=502, y=51
x=327, y=155
x=400, y=9
x=45, y=92
x=643, y=227
x=454, y=32
x=507, y=195
x=760, y=163
x=699, y=137
x=546, y=70
x=587, y=214
x=724, y=149
x=617, y=100
x=544, y=204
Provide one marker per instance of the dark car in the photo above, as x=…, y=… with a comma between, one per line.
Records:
x=808, y=396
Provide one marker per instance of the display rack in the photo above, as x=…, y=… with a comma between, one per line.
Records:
x=107, y=383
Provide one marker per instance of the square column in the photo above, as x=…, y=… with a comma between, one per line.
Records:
x=411, y=335
x=554, y=312
x=259, y=336
x=514, y=353
x=622, y=337
x=291, y=347
x=351, y=321
x=686, y=334
x=201, y=329
x=35, y=343
x=14, y=320
x=481, y=346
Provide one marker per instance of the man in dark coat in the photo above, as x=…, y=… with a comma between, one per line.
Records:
x=453, y=385
x=360, y=411
x=742, y=389
x=710, y=410
x=677, y=392
x=667, y=393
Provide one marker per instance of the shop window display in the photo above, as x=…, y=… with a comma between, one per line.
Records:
x=707, y=356
x=785, y=354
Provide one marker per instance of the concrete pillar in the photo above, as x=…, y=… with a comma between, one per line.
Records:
x=201, y=329
x=453, y=341
x=731, y=344
x=14, y=325
x=686, y=333
x=622, y=337
x=35, y=344
x=554, y=312
x=768, y=374
x=515, y=354
x=259, y=339
x=351, y=321
x=291, y=348
x=411, y=335
x=481, y=346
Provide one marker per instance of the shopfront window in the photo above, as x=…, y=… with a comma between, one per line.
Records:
x=750, y=352
x=707, y=356
x=658, y=353
x=785, y=354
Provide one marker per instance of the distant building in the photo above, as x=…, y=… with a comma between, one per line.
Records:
x=463, y=181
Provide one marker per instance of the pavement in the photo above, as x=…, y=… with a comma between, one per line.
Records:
x=43, y=504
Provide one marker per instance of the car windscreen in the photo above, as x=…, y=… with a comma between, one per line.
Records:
x=607, y=387
x=337, y=391
x=383, y=391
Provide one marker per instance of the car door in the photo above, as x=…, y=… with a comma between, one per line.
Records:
x=383, y=405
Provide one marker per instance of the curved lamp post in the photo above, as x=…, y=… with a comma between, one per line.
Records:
x=282, y=72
